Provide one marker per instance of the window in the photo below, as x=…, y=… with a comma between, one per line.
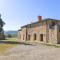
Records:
x=28, y=37
x=59, y=27
x=41, y=37
x=35, y=37
x=52, y=25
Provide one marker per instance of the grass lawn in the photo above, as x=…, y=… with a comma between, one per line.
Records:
x=12, y=39
x=5, y=47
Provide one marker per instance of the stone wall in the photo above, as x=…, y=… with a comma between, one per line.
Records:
x=22, y=34
x=58, y=33
x=51, y=32
x=37, y=30
x=49, y=35
x=53, y=35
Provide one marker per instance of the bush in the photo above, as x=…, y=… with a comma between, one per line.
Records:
x=9, y=36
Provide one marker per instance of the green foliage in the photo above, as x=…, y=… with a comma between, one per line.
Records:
x=11, y=35
x=1, y=22
x=14, y=35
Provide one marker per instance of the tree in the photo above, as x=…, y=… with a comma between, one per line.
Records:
x=9, y=36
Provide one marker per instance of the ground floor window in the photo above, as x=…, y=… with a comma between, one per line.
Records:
x=41, y=37
x=35, y=36
x=29, y=37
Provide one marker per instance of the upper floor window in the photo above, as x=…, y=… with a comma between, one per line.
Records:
x=52, y=25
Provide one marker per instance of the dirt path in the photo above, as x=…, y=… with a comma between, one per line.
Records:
x=29, y=52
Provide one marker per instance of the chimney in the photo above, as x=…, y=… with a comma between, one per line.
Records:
x=39, y=18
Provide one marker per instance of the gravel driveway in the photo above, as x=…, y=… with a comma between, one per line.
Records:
x=30, y=52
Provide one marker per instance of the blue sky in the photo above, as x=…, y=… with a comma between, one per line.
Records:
x=16, y=13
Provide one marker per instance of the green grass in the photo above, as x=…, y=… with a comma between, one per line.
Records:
x=12, y=39
x=5, y=47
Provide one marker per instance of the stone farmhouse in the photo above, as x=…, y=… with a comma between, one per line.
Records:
x=44, y=30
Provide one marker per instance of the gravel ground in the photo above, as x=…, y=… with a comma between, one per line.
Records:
x=30, y=52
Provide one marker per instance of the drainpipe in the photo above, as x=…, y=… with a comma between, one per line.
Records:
x=26, y=32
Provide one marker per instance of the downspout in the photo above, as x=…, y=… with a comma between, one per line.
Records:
x=47, y=32
x=26, y=32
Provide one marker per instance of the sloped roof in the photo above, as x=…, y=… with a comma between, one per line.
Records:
x=44, y=20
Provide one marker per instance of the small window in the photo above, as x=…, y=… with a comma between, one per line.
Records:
x=35, y=37
x=59, y=28
x=41, y=37
x=28, y=37
x=52, y=25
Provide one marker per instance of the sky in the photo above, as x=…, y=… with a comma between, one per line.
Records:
x=17, y=13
